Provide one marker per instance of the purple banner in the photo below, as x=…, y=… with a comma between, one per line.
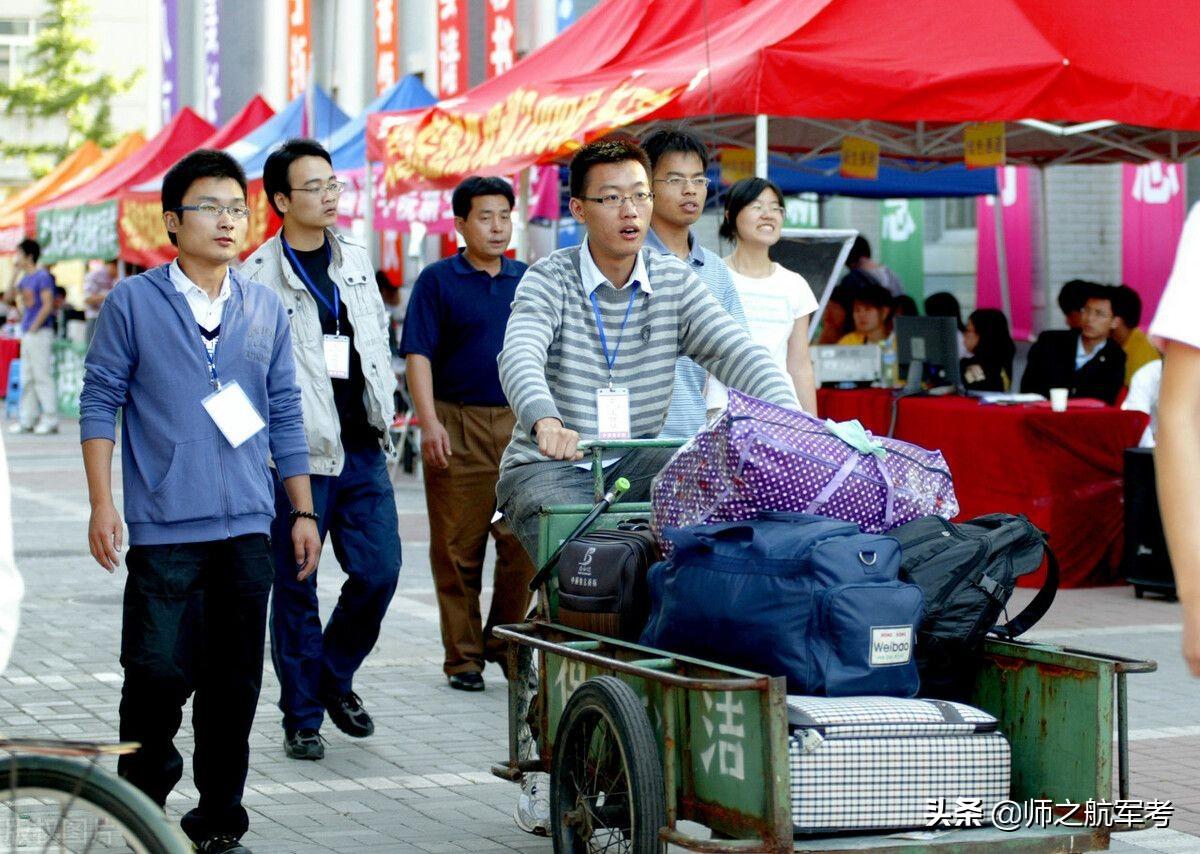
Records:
x=212, y=61
x=170, y=66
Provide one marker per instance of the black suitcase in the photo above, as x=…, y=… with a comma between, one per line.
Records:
x=1147, y=566
x=602, y=580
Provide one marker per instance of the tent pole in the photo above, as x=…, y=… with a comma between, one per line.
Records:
x=760, y=145
x=523, y=215
x=1044, y=252
x=369, y=216
x=1002, y=255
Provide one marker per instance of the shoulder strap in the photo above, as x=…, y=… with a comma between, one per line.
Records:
x=1037, y=608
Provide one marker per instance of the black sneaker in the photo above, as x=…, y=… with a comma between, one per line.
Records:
x=347, y=712
x=303, y=744
x=222, y=845
x=469, y=681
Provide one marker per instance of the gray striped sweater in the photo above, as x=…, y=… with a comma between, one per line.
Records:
x=552, y=362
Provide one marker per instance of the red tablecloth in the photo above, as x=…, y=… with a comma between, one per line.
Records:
x=1063, y=470
x=10, y=349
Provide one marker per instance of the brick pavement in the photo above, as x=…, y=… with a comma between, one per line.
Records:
x=421, y=783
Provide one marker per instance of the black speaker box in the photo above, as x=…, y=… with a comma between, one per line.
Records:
x=1147, y=565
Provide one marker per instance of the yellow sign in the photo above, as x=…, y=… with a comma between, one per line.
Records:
x=983, y=145
x=860, y=158
x=736, y=164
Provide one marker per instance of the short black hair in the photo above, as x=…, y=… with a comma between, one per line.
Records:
x=475, y=186
x=906, y=306
x=60, y=291
x=201, y=163
x=673, y=140
x=741, y=194
x=1104, y=293
x=31, y=249
x=1074, y=294
x=873, y=293
x=1127, y=305
x=860, y=250
x=275, y=170
x=609, y=149
x=944, y=304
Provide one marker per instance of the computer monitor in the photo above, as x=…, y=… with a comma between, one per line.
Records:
x=835, y=364
x=927, y=352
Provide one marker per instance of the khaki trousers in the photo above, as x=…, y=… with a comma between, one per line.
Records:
x=461, y=500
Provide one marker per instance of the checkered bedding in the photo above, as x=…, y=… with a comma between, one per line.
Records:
x=849, y=717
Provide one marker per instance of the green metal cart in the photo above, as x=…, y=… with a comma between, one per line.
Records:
x=637, y=740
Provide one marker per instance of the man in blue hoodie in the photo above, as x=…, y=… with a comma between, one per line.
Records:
x=199, y=363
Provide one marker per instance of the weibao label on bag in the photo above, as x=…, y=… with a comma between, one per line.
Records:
x=891, y=645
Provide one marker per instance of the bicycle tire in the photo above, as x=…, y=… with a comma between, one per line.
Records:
x=104, y=794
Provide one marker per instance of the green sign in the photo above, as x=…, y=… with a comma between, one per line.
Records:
x=802, y=211
x=68, y=376
x=80, y=233
x=902, y=247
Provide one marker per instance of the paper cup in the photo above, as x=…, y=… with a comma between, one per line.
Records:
x=1058, y=399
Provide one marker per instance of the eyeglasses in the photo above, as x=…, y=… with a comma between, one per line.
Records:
x=678, y=182
x=212, y=211
x=334, y=187
x=759, y=207
x=614, y=200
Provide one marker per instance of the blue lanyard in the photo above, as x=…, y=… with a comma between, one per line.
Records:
x=334, y=309
x=212, y=364
x=612, y=359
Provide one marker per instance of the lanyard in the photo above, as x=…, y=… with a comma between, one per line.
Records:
x=334, y=309
x=212, y=363
x=612, y=359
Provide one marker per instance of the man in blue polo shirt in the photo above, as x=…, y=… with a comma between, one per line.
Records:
x=679, y=162
x=453, y=332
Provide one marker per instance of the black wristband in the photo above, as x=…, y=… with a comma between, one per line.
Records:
x=303, y=514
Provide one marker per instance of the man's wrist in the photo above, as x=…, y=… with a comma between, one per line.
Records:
x=297, y=515
x=546, y=422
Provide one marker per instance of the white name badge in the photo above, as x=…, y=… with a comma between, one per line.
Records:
x=233, y=413
x=612, y=413
x=337, y=356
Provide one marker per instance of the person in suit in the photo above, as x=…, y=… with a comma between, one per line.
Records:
x=1086, y=361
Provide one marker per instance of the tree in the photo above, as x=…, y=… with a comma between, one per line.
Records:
x=61, y=82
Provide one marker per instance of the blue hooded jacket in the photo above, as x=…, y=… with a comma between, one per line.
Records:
x=183, y=481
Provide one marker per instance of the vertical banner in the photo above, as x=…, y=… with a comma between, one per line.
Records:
x=902, y=243
x=212, y=61
x=1018, y=261
x=501, y=29
x=170, y=64
x=299, y=46
x=1153, y=208
x=452, y=47
x=387, y=46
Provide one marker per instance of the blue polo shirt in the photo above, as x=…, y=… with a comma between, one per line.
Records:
x=456, y=318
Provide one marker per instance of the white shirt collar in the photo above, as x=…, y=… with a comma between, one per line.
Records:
x=593, y=278
x=1082, y=356
x=189, y=288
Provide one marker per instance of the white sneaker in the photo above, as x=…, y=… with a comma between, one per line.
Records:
x=533, y=806
x=45, y=429
x=18, y=427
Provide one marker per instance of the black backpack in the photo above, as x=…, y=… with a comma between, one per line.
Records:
x=602, y=580
x=968, y=572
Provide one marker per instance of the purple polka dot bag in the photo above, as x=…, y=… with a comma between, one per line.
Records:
x=758, y=456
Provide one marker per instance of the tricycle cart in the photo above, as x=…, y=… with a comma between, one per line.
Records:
x=637, y=740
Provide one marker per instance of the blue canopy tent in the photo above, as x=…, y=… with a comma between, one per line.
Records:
x=898, y=179
x=348, y=145
x=326, y=119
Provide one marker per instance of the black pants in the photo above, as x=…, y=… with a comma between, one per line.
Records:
x=195, y=617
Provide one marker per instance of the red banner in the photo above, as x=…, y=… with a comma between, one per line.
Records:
x=1153, y=208
x=501, y=29
x=387, y=47
x=299, y=46
x=452, y=47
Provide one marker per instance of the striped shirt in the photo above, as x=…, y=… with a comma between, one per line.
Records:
x=552, y=362
x=688, y=411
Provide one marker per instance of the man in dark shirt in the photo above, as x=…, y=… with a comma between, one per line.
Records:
x=343, y=367
x=453, y=332
x=1085, y=361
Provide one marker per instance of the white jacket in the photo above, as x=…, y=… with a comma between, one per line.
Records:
x=351, y=270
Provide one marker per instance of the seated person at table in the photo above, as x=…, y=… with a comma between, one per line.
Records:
x=1127, y=310
x=905, y=306
x=990, y=348
x=1085, y=361
x=1071, y=299
x=1143, y=397
x=945, y=304
x=836, y=320
x=873, y=325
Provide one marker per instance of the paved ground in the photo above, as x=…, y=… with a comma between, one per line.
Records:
x=421, y=783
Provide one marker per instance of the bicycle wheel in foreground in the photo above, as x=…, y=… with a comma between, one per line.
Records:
x=52, y=804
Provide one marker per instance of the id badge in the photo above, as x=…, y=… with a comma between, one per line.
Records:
x=233, y=413
x=337, y=356
x=612, y=413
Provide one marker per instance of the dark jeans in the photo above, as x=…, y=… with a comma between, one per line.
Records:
x=194, y=620
x=358, y=510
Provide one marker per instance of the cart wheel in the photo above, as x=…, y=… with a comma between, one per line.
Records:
x=606, y=786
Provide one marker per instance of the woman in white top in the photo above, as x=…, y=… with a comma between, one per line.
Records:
x=777, y=301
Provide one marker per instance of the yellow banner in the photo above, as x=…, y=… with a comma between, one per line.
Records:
x=983, y=145
x=860, y=158
x=736, y=164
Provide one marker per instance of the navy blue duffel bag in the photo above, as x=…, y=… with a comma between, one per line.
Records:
x=789, y=594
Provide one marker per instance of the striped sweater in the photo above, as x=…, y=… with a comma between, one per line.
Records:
x=552, y=362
